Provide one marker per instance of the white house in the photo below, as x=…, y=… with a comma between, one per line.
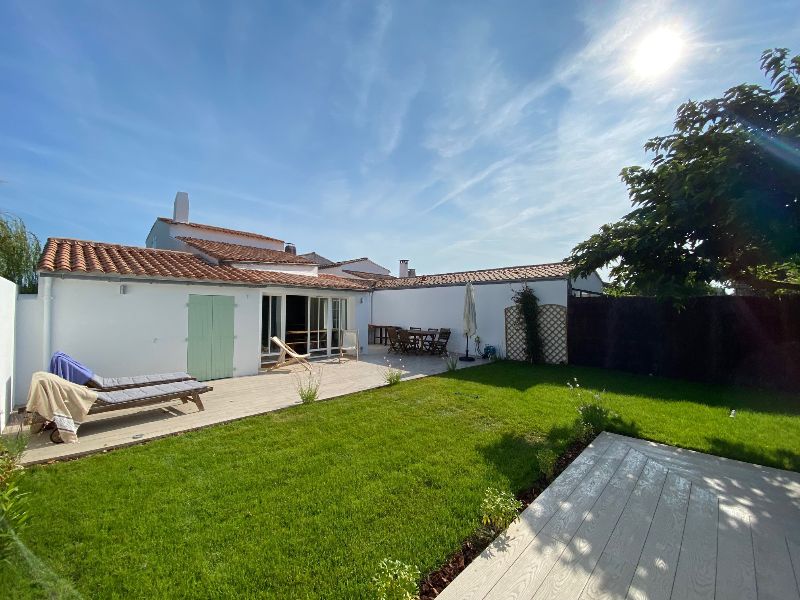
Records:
x=207, y=300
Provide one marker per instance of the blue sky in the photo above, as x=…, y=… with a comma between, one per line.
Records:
x=456, y=134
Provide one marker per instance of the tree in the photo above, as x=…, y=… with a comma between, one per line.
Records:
x=19, y=253
x=720, y=200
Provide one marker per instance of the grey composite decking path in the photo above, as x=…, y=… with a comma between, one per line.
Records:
x=631, y=519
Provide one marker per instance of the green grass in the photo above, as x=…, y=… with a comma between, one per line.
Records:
x=304, y=503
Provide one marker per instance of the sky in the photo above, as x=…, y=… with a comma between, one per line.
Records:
x=459, y=135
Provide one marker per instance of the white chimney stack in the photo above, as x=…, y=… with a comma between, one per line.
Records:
x=180, y=212
x=403, y=272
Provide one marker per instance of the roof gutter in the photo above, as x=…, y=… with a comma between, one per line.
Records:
x=46, y=275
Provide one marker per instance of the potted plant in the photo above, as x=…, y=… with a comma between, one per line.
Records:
x=477, y=345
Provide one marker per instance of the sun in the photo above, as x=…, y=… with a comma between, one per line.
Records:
x=658, y=52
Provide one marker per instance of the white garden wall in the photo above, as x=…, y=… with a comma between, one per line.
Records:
x=8, y=302
x=444, y=307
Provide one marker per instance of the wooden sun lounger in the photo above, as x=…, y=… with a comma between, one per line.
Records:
x=294, y=357
x=150, y=394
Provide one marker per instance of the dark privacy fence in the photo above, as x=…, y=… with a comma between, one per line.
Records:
x=719, y=339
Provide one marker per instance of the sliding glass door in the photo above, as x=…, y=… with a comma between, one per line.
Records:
x=270, y=323
x=339, y=320
x=318, y=326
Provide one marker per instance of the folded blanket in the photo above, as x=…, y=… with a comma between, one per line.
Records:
x=56, y=399
x=70, y=369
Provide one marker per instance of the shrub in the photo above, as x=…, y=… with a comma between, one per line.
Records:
x=452, y=362
x=396, y=580
x=593, y=416
x=547, y=462
x=499, y=509
x=308, y=388
x=392, y=375
x=13, y=514
x=529, y=308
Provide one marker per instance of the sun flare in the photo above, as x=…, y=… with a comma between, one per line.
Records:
x=658, y=52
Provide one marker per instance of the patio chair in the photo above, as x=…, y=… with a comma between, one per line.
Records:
x=68, y=368
x=439, y=346
x=348, y=338
x=394, y=340
x=428, y=341
x=407, y=343
x=415, y=328
x=293, y=357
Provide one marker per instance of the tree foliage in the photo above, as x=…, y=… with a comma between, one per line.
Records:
x=19, y=253
x=720, y=200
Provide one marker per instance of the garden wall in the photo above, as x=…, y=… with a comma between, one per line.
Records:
x=8, y=303
x=719, y=339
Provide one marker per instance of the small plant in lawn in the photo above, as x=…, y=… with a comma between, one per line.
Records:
x=547, y=462
x=308, y=386
x=396, y=580
x=452, y=361
x=392, y=375
x=499, y=509
x=593, y=416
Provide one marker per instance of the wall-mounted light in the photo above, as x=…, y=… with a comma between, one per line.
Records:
x=123, y=289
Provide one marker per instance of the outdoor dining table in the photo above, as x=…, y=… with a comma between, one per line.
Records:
x=418, y=336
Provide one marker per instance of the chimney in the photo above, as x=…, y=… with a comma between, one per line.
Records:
x=403, y=272
x=290, y=248
x=180, y=211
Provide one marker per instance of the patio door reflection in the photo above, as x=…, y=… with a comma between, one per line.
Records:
x=318, y=326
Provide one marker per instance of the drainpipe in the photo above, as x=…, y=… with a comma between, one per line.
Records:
x=47, y=300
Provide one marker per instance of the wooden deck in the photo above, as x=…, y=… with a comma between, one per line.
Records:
x=231, y=399
x=631, y=519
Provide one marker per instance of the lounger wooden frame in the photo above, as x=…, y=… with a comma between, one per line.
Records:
x=294, y=357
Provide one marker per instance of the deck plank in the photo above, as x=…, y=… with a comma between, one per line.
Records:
x=482, y=574
x=695, y=577
x=774, y=571
x=569, y=576
x=655, y=570
x=525, y=575
x=794, y=556
x=616, y=566
x=736, y=571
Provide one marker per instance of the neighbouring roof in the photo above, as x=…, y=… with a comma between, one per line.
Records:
x=255, y=236
x=558, y=270
x=317, y=258
x=367, y=275
x=240, y=253
x=352, y=260
x=97, y=258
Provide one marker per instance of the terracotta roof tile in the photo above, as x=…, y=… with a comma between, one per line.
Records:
x=367, y=275
x=523, y=273
x=79, y=256
x=256, y=236
x=240, y=253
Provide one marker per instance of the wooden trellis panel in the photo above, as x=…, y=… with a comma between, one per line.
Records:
x=552, y=327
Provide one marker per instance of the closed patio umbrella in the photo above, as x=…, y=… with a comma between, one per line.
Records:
x=470, y=320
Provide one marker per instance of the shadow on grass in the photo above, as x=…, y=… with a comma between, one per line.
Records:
x=518, y=457
x=525, y=378
x=782, y=458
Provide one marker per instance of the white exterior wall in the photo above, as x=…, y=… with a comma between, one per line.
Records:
x=144, y=330
x=8, y=305
x=310, y=270
x=444, y=307
x=592, y=283
x=28, y=344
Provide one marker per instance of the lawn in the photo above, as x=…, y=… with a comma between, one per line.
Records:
x=305, y=502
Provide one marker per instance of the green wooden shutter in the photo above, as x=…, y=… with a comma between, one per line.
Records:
x=222, y=337
x=199, y=354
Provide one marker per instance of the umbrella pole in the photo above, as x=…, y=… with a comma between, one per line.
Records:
x=467, y=357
